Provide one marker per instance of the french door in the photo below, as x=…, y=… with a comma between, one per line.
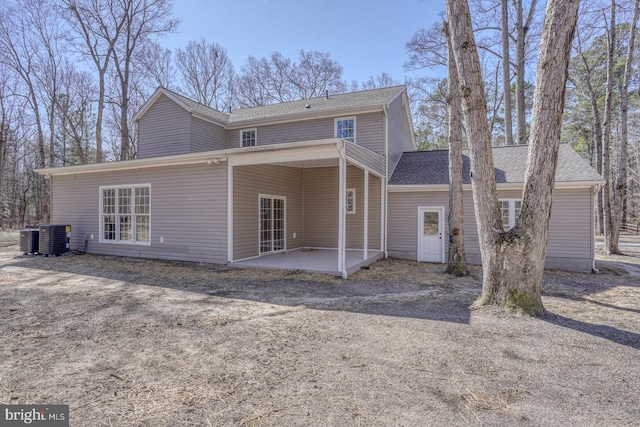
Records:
x=272, y=224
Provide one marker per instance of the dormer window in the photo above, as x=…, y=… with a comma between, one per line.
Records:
x=248, y=137
x=346, y=128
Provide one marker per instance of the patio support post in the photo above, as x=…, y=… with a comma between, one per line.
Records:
x=342, y=182
x=229, y=212
x=383, y=204
x=365, y=250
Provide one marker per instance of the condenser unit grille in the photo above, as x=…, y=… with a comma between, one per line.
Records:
x=29, y=241
x=54, y=239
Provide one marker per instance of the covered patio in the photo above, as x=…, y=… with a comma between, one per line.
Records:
x=323, y=261
x=317, y=206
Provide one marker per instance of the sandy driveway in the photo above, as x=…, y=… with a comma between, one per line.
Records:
x=129, y=342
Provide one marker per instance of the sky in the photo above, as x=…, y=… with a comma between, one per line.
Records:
x=367, y=38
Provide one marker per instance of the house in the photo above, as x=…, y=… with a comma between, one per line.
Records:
x=328, y=184
x=419, y=187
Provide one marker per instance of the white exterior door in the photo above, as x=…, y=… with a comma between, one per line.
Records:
x=430, y=242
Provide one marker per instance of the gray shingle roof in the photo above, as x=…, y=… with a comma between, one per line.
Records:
x=199, y=108
x=345, y=101
x=432, y=167
x=366, y=98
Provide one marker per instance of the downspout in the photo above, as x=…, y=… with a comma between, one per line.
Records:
x=385, y=110
x=594, y=190
x=49, y=178
x=342, y=167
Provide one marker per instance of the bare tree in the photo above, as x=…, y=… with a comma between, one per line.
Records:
x=457, y=261
x=19, y=50
x=278, y=79
x=620, y=190
x=207, y=74
x=522, y=27
x=584, y=78
x=382, y=80
x=155, y=64
x=506, y=73
x=97, y=26
x=314, y=74
x=609, y=247
x=513, y=261
x=143, y=20
x=264, y=81
x=74, y=111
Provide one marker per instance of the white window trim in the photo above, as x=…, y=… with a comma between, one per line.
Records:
x=254, y=130
x=353, y=211
x=335, y=126
x=512, y=211
x=117, y=241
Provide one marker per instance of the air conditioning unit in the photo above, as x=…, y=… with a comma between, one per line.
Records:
x=29, y=240
x=54, y=239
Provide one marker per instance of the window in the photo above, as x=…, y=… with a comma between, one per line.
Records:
x=350, y=205
x=248, y=137
x=510, y=211
x=125, y=214
x=346, y=128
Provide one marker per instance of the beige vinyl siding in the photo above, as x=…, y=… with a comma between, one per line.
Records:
x=207, y=136
x=355, y=221
x=321, y=207
x=287, y=132
x=188, y=209
x=365, y=157
x=164, y=130
x=570, y=230
x=570, y=243
x=400, y=132
x=402, y=226
x=370, y=131
x=374, y=212
x=248, y=183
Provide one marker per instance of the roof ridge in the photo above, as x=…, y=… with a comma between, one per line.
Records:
x=379, y=89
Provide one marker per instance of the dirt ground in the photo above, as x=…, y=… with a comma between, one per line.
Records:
x=131, y=342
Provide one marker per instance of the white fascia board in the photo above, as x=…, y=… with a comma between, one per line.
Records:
x=467, y=187
x=337, y=112
x=410, y=188
x=278, y=151
x=407, y=108
x=284, y=156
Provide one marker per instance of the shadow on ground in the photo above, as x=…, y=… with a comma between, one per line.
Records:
x=417, y=290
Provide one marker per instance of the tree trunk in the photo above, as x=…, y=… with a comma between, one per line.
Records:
x=621, y=181
x=506, y=75
x=597, y=130
x=521, y=108
x=513, y=261
x=609, y=225
x=457, y=263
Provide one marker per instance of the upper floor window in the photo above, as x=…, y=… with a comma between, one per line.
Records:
x=124, y=214
x=510, y=211
x=248, y=137
x=346, y=128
